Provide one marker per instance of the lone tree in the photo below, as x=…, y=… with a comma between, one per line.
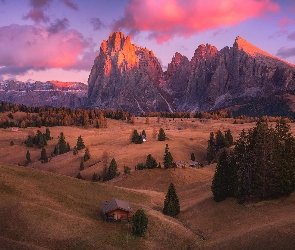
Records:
x=161, y=135
x=139, y=223
x=112, y=171
x=86, y=156
x=171, y=203
x=28, y=156
x=168, y=159
x=62, y=146
x=80, y=143
x=44, y=158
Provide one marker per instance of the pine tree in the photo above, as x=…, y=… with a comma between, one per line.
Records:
x=211, y=151
x=112, y=171
x=44, y=158
x=168, y=159
x=143, y=133
x=139, y=223
x=80, y=143
x=86, y=156
x=95, y=177
x=228, y=138
x=79, y=176
x=47, y=134
x=151, y=162
x=136, y=138
x=75, y=150
x=193, y=158
x=171, y=203
x=62, y=146
x=82, y=165
x=220, y=141
x=161, y=135
x=220, y=186
x=29, y=142
x=28, y=156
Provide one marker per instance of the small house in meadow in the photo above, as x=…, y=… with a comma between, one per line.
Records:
x=194, y=164
x=116, y=210
x=179, y=164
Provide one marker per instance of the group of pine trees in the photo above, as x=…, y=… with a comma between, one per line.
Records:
x=138, y=138
x=149, y=164
x=39, y=139
x=216, y=142
x=261, y=165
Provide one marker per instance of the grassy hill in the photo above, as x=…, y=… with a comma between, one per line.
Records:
x=41, y=210
x=43, y=207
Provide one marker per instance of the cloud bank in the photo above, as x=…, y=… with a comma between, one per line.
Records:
x=164, y=19
x=36, y=47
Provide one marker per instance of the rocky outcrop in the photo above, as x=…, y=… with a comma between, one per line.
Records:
x=51, y=93
x=126, y=77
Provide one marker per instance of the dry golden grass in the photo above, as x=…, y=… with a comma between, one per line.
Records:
x=41, y=210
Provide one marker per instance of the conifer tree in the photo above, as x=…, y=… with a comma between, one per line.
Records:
x=75, y=150
x=139, y=223
x=136, y=138
x=211, y=151
x=161, y=135
x=28, y=156
x=168, y=159
x=95, y=177
x=80, y=143
x=220, y=185
x=79, y=176
x=47, y=134
x=29, y=141
x=171, y=203
x=82, y=165
x=220, y=141
x=112, y=171
x=44, y=158
x=151, y=162
x=228, y=138
x=193, y=158
x=62, y=146
x=86, y=156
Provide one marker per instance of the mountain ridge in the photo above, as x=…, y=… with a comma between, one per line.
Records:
x=210, y=80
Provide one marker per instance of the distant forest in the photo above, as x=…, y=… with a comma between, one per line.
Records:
x=49, y=116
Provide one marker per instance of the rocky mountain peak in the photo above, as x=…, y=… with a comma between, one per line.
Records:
x=203, y=52
x=242, y=44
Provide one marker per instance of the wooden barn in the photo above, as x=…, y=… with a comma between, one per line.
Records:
x=116, y=210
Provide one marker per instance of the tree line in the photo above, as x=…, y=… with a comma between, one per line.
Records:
x=261, y=165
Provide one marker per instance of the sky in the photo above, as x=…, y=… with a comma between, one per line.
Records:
x=43, y=40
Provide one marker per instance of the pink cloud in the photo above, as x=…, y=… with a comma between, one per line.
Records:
x=164, y=19
x=34, y=47
x=286, y=21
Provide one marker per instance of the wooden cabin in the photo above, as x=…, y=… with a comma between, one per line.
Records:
x=116, y=210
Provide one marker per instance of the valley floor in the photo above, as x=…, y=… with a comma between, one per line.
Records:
x=50, y=209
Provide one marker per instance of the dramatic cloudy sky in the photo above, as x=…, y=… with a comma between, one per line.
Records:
x=59, y=39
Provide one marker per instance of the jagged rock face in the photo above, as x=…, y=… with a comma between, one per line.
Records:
x=242, y=70
x=125, y=76
x=128, y=77
x=53, y=93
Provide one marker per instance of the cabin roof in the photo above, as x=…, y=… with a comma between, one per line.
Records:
x=114, y=204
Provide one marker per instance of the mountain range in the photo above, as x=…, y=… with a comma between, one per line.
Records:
x=127, y=77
